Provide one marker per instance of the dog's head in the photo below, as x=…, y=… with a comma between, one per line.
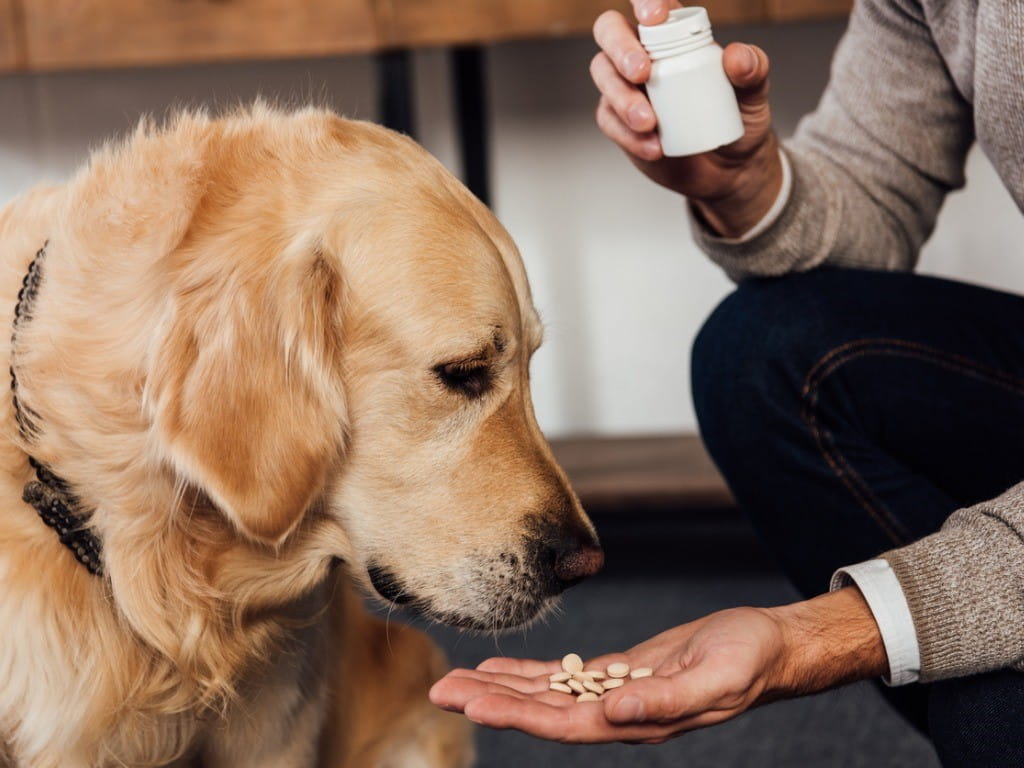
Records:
x=347, y=337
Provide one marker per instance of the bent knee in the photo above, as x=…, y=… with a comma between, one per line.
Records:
x=965, y=714
x=751, y=331
x=751, y=357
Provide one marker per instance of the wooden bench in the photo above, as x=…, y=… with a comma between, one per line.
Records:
x=663, y=473
x=660, y=508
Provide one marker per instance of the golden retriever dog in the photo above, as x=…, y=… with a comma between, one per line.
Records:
x=259, y=362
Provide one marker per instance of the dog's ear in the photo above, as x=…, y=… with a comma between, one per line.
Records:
x=245, y=389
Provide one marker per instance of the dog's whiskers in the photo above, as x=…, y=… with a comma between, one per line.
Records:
x=387, y=618
x=387, y=627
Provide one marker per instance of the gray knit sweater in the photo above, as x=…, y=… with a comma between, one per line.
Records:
x=913, y=83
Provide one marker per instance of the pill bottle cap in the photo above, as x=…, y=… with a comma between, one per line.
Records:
x=684, y=26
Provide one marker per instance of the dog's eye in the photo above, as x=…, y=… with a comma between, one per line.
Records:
x=471, y=378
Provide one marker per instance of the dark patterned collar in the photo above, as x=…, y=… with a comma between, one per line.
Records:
x=51, y=496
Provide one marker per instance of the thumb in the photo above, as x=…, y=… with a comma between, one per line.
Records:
x=653, y=12
x=664, y=699
x=747, y=67
x=648, y=700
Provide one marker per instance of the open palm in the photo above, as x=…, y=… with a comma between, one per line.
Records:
x=705, y=672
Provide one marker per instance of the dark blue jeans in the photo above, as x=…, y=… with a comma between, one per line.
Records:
x=851, y=412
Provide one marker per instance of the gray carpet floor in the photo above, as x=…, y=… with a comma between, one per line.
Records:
x=664, y=573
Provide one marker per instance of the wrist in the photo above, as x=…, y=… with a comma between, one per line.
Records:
x=749, y=199
x=827, y=641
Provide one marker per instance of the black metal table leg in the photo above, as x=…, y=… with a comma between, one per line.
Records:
x=394, y=79
x=468, y=73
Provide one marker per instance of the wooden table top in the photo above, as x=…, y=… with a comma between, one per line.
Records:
x=44, y=35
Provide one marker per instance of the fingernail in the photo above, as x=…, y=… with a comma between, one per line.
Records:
x=629, y=710
x=633, y=63
x=647, y=10
x=639, y=117
x=753, y=62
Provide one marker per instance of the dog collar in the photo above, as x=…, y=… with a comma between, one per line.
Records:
x=50, y=494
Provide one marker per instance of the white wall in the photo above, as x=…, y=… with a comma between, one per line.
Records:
x=621, y=287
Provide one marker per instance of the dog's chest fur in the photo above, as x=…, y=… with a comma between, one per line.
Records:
x=57, y=690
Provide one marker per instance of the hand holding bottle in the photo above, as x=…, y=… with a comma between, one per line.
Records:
x=733, y=186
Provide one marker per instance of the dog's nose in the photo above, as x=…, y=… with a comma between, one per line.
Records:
x=575, y=564
x=577, y=555
x=567, y=551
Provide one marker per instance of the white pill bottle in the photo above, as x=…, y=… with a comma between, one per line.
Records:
x=693, y=100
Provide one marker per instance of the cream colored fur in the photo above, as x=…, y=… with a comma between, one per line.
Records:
x=234, y=356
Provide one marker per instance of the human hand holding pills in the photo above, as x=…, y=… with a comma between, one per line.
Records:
x=691, y=676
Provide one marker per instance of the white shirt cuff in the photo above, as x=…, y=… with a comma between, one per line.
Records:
x=774, y=212
x=884, y=595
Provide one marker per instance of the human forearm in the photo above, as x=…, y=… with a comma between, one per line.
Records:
x=705, y=672
x=828, y=641
x=756, y=189
x=872, y=165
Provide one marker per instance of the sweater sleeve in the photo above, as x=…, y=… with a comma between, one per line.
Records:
x=965, y=588
x=872, y=165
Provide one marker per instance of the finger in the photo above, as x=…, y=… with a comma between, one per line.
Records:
x=650, y=700
x=747, y=67
x=643, y=146
x=652, y=12
x=693, y=693
x=575, y=724
x=677, y=727
x=515, y=682
x=522, y=667
x=536, y=718
x=628, y=101
x=618, y=40
x=644, y=702
x=453, y=693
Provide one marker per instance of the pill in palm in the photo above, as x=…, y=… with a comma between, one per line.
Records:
x=591, y=684
x=618, y=669
x=571, y=662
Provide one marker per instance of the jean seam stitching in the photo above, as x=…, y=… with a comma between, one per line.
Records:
x=912, y=349
x=824, y=439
